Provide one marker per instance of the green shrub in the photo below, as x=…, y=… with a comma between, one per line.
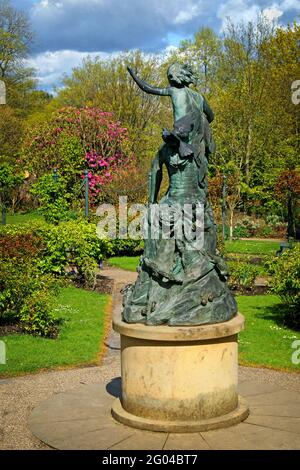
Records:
x=285, y=271
x=128, y=247
x=9, y=180
x=36, y=314
x=242, y=275
x=53, y=197
x=75, y=246
x=72, y=247
x=25, y=293
x=266, y=232
x=241, y=232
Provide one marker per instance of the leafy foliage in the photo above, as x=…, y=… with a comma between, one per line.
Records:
x=26, y=294
x=53, y=197
x=242, y=275
x=287, y=190
x=9, y=180
x=285, y=271
x=10, y=134
x=70, y=248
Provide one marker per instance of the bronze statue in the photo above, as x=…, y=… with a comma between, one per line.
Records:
x=180, y=281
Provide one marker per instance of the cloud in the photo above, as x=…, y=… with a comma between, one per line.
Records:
x=237, y=11
x=248, y=10
x=110, y=25
x=273, y=12
x=51, y=66
x=191, y=11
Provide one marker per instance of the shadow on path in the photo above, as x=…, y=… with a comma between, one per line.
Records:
x=114, y=387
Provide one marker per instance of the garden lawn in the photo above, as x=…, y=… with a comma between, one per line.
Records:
x=14, y=219
x=253, y=247
x=265, y=341
x=129, y=263
x=79, y=342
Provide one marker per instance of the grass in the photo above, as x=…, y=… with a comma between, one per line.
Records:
x=125, y=262
x=252, y=247
x=79, y=342
x=17, y=219
x=14, y=219
x=265, y=341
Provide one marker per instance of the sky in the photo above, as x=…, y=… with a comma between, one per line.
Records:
x=66, y=31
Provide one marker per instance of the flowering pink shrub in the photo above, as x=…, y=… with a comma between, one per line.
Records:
x=76, y=139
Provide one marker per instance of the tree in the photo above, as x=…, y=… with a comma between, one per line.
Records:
x=257, y=125
x=77, y=139
x=244, y=71
x=22, y=97
x=203, y=52
x=108, y=86
x=15, y=39
x=9, y=179
x=10, y=134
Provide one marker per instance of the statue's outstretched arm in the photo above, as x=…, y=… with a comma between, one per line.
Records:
x=148, y=88
x=208, y=111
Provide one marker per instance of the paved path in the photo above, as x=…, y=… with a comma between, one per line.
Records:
x=20, y=395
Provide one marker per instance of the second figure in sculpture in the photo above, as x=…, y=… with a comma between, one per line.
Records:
x=180, y=281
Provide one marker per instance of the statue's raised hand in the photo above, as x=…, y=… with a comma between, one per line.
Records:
x=130, y=71
x=148, y=88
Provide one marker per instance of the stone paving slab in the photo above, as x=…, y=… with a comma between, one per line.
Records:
x=190, y=442
x=284, y=411
x=251, y=437
x=69, y=430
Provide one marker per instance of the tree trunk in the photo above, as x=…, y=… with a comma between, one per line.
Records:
x=248, y=153
x=231, y=224
x=291, y=221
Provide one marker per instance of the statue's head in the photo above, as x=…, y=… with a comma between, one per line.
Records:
x=180, y=74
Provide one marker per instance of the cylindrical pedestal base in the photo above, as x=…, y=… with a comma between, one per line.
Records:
x=179, y=379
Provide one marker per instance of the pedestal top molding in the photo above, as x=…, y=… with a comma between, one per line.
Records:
x=180, y=333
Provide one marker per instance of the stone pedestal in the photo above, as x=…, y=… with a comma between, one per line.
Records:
x=179, y=379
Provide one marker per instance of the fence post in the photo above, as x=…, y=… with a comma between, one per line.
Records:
x=86, y=183
x=55, y=175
